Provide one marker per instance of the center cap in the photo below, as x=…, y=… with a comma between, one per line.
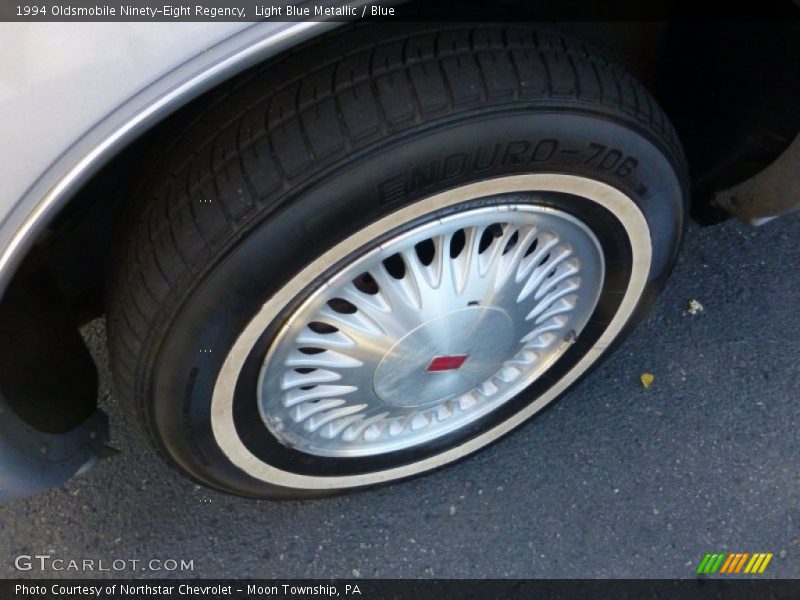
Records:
x=404, y=376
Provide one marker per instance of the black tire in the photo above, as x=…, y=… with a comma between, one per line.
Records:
x=306, y=151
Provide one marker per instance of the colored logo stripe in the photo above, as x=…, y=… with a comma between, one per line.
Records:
x=710, y=563
x=758, y=563
x=732, y=563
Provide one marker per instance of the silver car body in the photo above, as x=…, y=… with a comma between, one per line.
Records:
x=72, y=95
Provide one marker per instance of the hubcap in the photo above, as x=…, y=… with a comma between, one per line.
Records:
x=430, y=330
x=408, y=376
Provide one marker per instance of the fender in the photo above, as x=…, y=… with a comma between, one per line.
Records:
x=244, y=45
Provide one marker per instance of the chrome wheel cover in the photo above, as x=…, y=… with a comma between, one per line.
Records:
x=435, y=327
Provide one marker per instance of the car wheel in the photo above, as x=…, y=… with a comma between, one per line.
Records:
x=383, y=253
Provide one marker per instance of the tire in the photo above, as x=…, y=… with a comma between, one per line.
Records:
x=309, y=168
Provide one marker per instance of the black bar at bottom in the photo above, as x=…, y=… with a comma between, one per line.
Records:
x=369, y=589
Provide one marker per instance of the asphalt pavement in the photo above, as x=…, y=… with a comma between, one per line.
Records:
x=615, y=480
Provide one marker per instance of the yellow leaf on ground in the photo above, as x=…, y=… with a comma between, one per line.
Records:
x=647, y=379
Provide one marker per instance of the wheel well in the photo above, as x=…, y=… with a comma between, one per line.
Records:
x=728, y=88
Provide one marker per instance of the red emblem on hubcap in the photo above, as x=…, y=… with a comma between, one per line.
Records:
x=447, y=363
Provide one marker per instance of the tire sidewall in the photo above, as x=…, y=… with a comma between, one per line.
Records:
x=329, y=206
